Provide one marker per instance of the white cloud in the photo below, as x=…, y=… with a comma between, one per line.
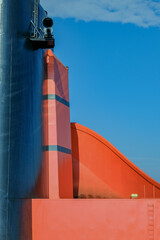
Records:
x=143, y=13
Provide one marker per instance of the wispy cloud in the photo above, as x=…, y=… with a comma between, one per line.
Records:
x=143, y=13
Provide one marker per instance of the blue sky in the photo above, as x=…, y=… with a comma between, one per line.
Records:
x=113, y=54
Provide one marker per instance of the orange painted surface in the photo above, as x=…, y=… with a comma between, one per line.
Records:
x=96, y=219
x=49, y=122
x=101, y=171
x=96, y=169
x=61, y=79
x=56, y=179
x=63, y=125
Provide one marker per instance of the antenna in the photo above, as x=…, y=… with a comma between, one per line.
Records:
x=35, y=16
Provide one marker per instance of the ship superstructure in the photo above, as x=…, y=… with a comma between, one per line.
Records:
x=59, y=180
